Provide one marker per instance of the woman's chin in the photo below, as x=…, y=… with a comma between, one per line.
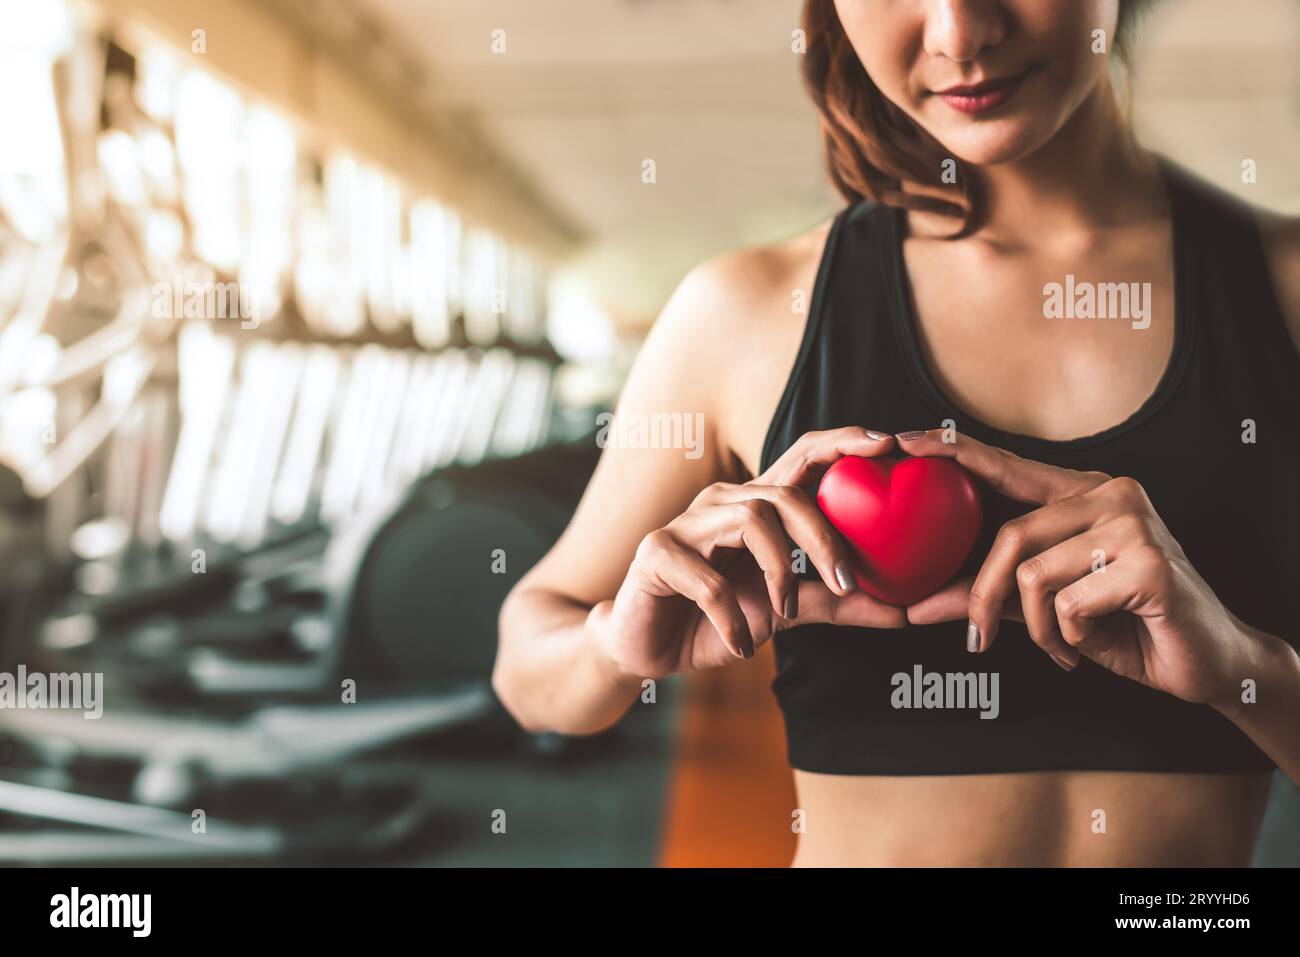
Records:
x=988, y=144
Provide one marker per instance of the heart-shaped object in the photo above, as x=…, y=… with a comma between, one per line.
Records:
x=910, y=522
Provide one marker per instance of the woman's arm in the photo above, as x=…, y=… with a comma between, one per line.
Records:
x=549, y=672
x=673, y=562
x=1272, y=718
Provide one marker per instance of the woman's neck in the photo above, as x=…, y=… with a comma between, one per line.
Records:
x=1089, y=176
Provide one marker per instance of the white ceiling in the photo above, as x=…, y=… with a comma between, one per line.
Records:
x=588, y=89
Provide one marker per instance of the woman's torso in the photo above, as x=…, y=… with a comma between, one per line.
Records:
x=938, y=789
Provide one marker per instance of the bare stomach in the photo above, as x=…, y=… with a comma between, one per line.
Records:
x=1039, y=819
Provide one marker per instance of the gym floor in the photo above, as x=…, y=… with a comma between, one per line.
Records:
x=698, y=779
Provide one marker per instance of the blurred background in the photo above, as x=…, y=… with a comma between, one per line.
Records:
x=302, y=302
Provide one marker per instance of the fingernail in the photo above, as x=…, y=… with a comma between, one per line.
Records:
x=747, y=649
x=844, y=575
x=1063, y=663
x=791, y=611
x=909, y=436
x=972, y=637
x=876, y=436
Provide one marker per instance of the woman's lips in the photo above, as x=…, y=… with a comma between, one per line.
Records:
x=982, y=97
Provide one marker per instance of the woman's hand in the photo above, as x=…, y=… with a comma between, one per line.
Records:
x=1092, y=572
x=720, y=579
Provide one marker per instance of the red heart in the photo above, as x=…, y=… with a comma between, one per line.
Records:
x=910, y=522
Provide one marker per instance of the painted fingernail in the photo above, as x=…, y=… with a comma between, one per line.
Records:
x=909, y=436
x=876, y=436
x=972, y=637
x=747, y=649
x=791, y=611
x=1063, y=663
x=844, y=575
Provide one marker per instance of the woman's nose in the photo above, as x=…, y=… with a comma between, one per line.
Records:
x=959, y=29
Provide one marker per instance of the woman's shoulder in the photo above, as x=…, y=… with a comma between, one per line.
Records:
x=727, y=337
x=1281, y=235
x=723, y=307
x=754, y=272
x=734, y=291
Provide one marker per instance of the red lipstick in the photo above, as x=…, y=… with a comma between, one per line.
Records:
x=982, y=97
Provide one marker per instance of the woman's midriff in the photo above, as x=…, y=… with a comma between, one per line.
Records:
x=1038, y=819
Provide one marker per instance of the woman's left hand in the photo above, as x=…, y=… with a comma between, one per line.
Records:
x=1092, y=572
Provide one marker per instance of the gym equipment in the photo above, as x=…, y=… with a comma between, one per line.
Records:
x=241, y=487
x=313, y=405
x=384, y=419
x=209, y=527
x=482, y=254
x=282, y=784
x=431, y=286
x=22, y=519
x=483, y=406
x=284, y=367
x=312, y=819
x=525, y=424
x=425, y=596
x=911, y=522
x=404, y=598
x=206, y=364
x=271, y=743
x=343, y=478
x=444, y=431
x=405, y=460
x=69, y=808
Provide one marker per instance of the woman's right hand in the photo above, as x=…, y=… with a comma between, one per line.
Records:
x=719, y=580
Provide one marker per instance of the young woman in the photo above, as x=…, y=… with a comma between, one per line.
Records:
x=1143, y=698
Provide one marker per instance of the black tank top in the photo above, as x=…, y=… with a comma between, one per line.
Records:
x=1232, y=504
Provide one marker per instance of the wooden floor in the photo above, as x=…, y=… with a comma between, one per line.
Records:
x=731, y=795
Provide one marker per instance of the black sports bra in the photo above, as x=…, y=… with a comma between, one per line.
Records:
x=855, y=700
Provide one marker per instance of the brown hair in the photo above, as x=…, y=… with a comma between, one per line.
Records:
x=873, y=147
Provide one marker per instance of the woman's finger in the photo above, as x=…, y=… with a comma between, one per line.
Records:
x=807, y=528
x=952, y=603
x=679, y=569
x=1137, y=576
x=817, y=450
x=1040, y=578
x=751, y=524
x=1017, y=478
x=819, y=605
x=1016, y=541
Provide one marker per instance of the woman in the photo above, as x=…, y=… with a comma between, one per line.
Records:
x=1137, y=457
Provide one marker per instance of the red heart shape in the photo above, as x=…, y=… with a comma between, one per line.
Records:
x=910, y=522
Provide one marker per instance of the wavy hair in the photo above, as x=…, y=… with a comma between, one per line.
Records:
x=872, y=148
